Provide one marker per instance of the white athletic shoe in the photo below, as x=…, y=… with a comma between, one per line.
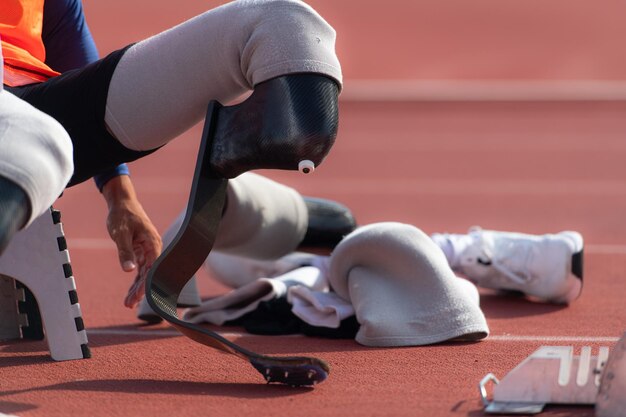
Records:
x=189, y=297
x=549, y=267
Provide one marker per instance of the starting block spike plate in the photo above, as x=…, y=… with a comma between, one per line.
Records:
x=550, y=375
x=11, y=320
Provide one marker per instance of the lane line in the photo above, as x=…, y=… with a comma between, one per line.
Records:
x=102, y=244
x=165, y=333
x=90, y=243
x=394, y=90
x=483, y=143
x=473, y=187
x=366, y=186
x=496, y=338
x=120, y=332
x=568, y=339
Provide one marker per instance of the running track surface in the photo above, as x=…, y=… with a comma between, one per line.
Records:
x=535, y=167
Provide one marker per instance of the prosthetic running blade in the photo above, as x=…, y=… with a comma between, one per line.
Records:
x=185, y=255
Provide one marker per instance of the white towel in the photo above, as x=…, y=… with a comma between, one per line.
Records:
x=236, y=271
x=327, y=309
x=317, y=308
x=247, y=298
x=402, y=288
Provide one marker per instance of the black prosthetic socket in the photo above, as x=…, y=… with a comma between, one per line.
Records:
x=14, y=211
x=285, y=120
x=329, y=222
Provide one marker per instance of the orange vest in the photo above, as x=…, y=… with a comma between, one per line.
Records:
x=21, y=22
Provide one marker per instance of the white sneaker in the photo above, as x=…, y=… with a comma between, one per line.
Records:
x=189, y=297
x=549, y=267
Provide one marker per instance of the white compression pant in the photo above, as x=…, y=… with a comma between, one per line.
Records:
x=35, y=151
x=263, y=219
x=162, y=85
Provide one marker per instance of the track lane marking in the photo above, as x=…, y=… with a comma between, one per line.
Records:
x=496, y=338
x=436, y=186
x=102, y=244
x=409, y=90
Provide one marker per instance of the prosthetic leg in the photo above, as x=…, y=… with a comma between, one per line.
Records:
x=289, y=122
x=38, y=295
x=554, y=375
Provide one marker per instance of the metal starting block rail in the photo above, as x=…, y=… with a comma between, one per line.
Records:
x=38, y=295
x=12, y=320
x=555, y=375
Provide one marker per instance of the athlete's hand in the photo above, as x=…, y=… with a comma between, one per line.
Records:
x=137, y=239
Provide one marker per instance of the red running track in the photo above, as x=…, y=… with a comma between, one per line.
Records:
x=531, y=167
x=526, y=167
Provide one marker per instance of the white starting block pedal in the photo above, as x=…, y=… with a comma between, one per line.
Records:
x=37, y=287
x=554, y=375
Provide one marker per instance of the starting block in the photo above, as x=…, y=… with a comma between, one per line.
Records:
x=555, y=375
x=38, y=295
x=611, y=399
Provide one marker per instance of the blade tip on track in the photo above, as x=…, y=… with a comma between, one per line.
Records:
x=295, y=375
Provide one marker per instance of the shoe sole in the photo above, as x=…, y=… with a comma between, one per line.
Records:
x=576, y=263
x=576, y=268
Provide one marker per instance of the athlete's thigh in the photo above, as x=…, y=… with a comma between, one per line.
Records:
x=77, y=100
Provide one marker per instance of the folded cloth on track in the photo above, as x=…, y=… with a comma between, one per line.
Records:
x=247, y=298
x=275, y=317
x=317, y=308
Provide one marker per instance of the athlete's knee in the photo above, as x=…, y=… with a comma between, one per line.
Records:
x=295, y=17
x=35, y=141
x=281, y=34
x=36, y=152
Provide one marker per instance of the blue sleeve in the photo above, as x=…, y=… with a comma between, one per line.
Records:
x=66, y=36
x=103, y=178
x=69, y=45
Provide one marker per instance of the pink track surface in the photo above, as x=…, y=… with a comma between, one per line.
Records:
x=530, y=167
